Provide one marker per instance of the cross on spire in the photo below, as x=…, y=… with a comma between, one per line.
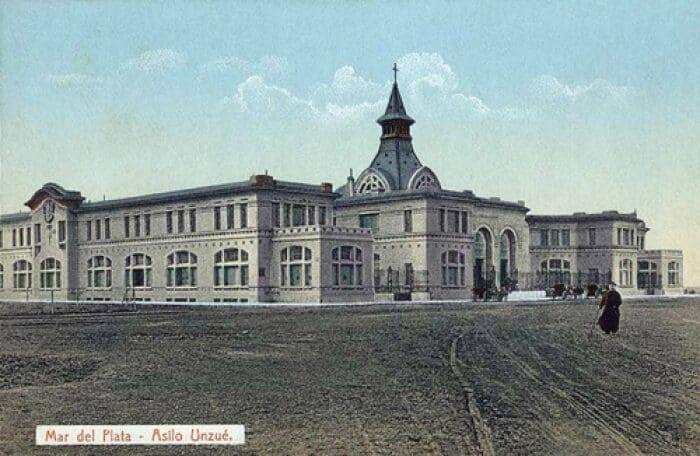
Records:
x=395, y=71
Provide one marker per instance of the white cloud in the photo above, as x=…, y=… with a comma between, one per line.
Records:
x=426, y=71
x=360, y=111
x=272, y=65
x=551, y=89
x=71, y=80
x=430, y=88
x=428, y=85
x=350, y=88
x=157, y=60
x=255, y=96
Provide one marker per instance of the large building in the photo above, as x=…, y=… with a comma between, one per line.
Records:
x=392, y=233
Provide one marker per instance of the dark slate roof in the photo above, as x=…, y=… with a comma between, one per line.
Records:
x=56, y=191
x=605, y=216
x=466, y=195
x=395, y=109
x=200, y=192
x=16, y=217
x=397, y=158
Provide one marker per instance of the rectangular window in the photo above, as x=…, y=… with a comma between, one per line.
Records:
x=295, y=275
x=441, y=215
x=126, y=226
x=88, y=228
x=276, y=214
x=0, y=239
x=311, y=215
x=107, y=233
x=408, y=272
x=619, y=236
x=169, y=222
x=554, y=237
x=631, y=237
x=298, y=215
x=565, y=237
x=322, y=220
x=29, y=235
x=37, y=234
x=370, y=221
x=14, y=237
x=641, y=243
x=62, y=231
x=453, y=221
x=229, y=216
x=193, y=220
x=408, y=221
x=287, y=214
x=465, y=223
x=147, y=224
x=591, y=236
x=21, y=236
x=217, y=218
x=544, y=238
x=98, y=229
x=181, y=221
x=137, y=225
x=244, y=215
x=625, y=236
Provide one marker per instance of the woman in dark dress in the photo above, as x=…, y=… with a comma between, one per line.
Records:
x=609, y=319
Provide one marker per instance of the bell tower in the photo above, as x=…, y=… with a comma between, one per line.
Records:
x=395, y=122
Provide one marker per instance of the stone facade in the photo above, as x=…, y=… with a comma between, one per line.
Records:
x=394, y=233
x=226, y=243
x=599, y=248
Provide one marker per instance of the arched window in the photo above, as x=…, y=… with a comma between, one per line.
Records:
x=181, y=271
x=423, y=179
x=625, y=273
x=22, y=275
x=426, y=182
x=478, y=245
x=99, y=272
x=556, y=271
x=674, y=274
x=646, y=274
x=295, y=266
x=507, y=256
x=137, y=271
x=371, y=184
x=453, y=269
x=347, y=266
x=50, y=274
x=377, y=271
x=231, y=268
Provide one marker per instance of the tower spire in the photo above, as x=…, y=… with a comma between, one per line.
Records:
x=395, y=71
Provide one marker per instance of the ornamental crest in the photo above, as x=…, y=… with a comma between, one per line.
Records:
x=49, y=210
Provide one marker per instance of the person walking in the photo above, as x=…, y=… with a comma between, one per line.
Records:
x=609, y=320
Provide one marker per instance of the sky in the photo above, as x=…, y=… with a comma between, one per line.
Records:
x=570, y=106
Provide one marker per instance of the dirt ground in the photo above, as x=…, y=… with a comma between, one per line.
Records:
x=404, y=379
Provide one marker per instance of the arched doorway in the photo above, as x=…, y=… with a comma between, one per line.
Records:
x=507, y=257
x=484, y=271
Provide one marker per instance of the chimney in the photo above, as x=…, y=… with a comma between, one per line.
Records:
x=351, y=184
x=261, y=180
x=326, y=187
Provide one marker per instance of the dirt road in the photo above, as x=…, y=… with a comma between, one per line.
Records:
x=408, y=379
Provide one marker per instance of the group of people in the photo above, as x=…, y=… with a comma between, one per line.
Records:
x=609, y=318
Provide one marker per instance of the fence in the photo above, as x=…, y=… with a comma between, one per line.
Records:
x=408, y=280
x=545, y=280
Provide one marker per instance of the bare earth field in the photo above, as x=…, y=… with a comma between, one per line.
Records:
x=386, y=379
